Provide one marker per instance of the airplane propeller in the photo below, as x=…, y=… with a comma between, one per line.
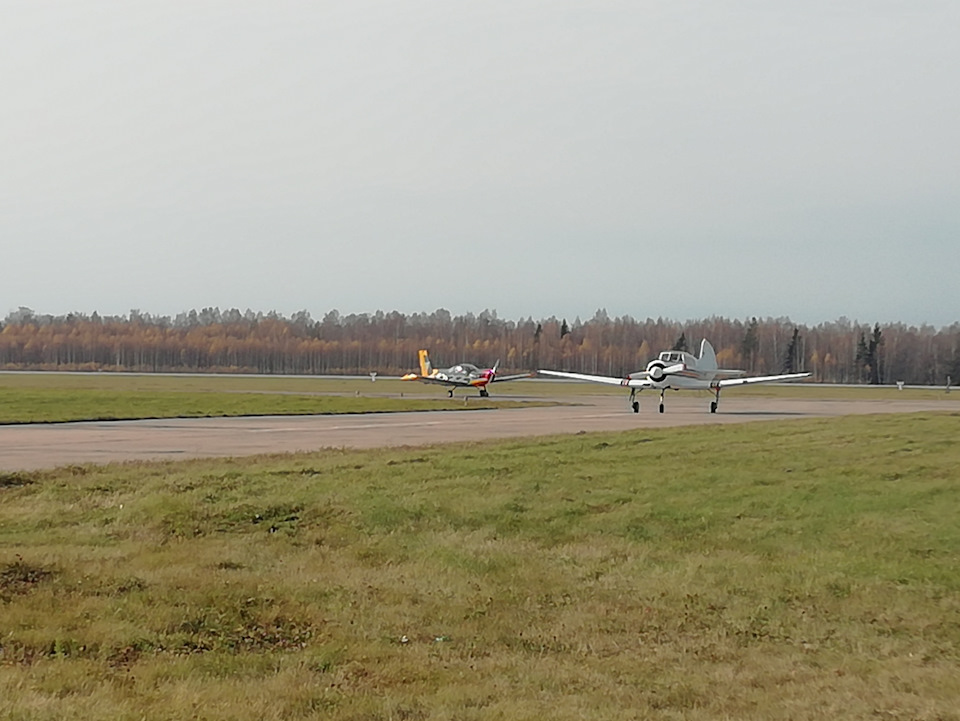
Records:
x=657, y=371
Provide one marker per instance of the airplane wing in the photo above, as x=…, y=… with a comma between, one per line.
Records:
x=498, y=379
x=608, y=380
x=726, y=383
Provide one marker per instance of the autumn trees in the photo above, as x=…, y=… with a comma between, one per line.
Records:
x=841, y=351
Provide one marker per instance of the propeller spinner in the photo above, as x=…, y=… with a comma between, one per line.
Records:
x=657, y=371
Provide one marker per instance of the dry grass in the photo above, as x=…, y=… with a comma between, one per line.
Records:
x=788, y=571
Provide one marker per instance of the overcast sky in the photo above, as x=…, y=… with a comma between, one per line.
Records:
x=675, y=159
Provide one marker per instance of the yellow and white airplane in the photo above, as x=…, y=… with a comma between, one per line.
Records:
x=679, y=370
x=462, y=375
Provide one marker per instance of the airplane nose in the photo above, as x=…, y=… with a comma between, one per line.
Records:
x=655, y=372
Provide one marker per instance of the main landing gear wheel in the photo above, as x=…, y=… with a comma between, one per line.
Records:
x=484, y=393
x=661, y=407
x=450, y=393
x=661, y=400
x=636, y=406
x=713, y=406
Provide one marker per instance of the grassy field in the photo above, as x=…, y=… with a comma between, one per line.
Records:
x=53, y=398
x=798, y=570
x=58, y=397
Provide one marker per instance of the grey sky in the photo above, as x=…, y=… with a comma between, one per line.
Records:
x=538, y=158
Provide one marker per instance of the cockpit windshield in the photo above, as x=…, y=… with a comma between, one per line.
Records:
x=671, y=356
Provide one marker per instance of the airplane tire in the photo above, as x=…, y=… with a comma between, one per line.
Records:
x=636, y=406
x=713, y=406
x=661, y=407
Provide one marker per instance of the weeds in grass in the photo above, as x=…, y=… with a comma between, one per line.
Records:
x=18, y=578
x=16, y=480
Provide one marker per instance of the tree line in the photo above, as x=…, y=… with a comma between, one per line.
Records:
x=211, y=340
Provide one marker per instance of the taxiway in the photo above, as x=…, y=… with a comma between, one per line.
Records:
x=29, y=447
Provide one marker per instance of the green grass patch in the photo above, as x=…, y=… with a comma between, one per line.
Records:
x=805, y=569
x=52, y=398
x=55, y=406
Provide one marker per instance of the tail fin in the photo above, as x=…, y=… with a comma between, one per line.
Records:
x=425, y=368
x=707, y=359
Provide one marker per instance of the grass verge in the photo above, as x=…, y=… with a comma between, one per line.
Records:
x=765, y=571
x=59, y=406
x=64, y=397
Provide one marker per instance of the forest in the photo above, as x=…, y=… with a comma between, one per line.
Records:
x=211, y=340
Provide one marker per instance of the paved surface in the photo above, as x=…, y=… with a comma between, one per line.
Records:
x=29, y=447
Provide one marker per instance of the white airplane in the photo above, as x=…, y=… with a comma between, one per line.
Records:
x=679, y=370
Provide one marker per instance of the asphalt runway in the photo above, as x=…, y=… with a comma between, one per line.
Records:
x=29, y=447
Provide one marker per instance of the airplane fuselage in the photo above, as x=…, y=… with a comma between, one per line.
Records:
x=464, y=374
x=679, y=370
